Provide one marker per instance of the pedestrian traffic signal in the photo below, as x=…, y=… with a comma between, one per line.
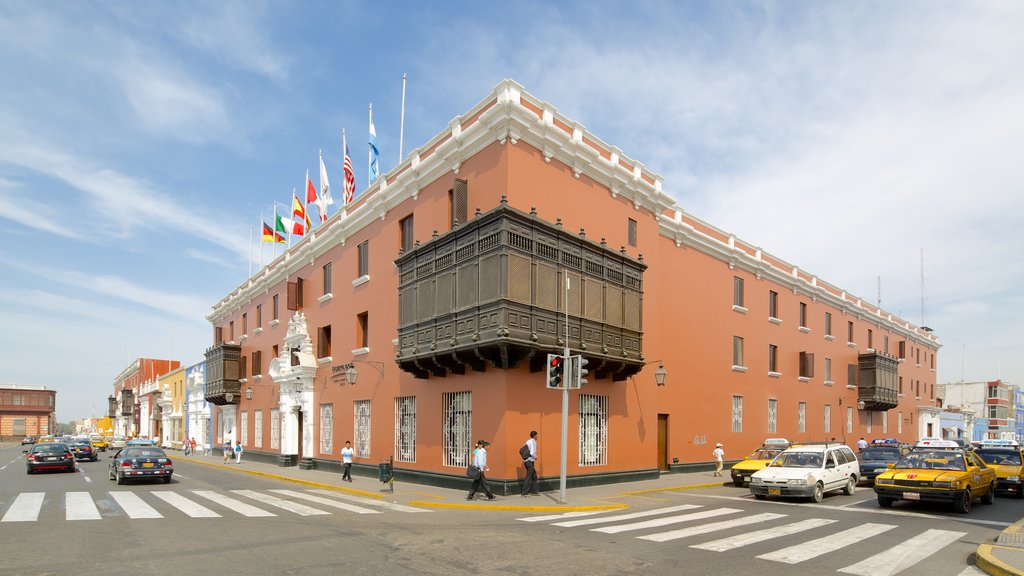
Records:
x=556, y=366
x=581, y=371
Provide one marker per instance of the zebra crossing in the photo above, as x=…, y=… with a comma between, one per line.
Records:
x=700, y=520
x=27, y=506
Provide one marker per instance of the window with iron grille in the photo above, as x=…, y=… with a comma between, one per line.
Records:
x=457, y=428
x=258, y=429
x=849, y=420
x=885, y=422
x=405, y=429
x=275, y=428
x=737, y=413
x=828, y=417
x=899, y=423
x=458, y=203
x=801, y=417
x=326, y=428
x=245, y=427
x=773, y=410
x=361, y=433
x=593, y=430
x=870, y=416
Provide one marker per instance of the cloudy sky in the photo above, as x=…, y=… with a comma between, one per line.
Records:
x=140, y=142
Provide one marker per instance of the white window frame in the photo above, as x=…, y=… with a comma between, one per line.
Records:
x=244, y=425
x=899, y=423
x=801, y=417
x=275, y=428
x=327, y=428
x=258, y=428
x=456, y=428
x=828, y=418
x=773, y=412
x=405, y=429
x=849, y=420
x=737, y=413
x=871, y=416
x=593, y=430
x=361, y=428
x=885, y=423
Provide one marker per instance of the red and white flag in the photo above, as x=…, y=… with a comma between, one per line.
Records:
x=350, y=178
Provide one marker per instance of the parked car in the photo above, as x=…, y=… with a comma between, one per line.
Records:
x=83, y=450
x=28, y=440
x=756, y=460
x=141, y=461
x=876, y=459
x=1005, y=458
x=937, y=470
x=49, y=456
x=117, y=442
x=808, y=471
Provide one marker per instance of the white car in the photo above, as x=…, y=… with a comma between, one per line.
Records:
x=117, y=442
x=808, y=471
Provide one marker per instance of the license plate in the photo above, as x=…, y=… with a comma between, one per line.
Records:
x=775, y=491
x=911, y=496
x=147, y=464
x=52, y=458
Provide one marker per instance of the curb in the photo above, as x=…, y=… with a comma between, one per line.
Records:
x=324, y=485
x=986, y=556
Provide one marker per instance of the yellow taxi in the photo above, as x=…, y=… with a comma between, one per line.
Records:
x=758, y=459
x=99, y=442
x=937, y=470
x=1004, y=456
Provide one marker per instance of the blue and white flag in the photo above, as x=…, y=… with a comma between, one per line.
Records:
x=374, y=170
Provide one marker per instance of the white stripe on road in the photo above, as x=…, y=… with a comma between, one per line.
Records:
x=327, y=502
x=187, y=506
x=242, y=508
x=133, y=506
x=905, y=554
x=815, y=548
x=79, y=506
x=644, y=514
x=712, y=527
x=560, y=516
x=295, y=507
x=25, y=508
x=371, y=501
x=666, y=521
x=762, y=535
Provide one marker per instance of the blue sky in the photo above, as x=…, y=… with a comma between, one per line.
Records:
x=140, y=141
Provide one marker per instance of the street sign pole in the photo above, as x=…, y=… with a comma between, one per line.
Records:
x=565, y=397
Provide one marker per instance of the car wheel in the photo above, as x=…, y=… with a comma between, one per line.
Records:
x=167, y=479
x=120, y=479
x=29, y=470
x=737, y=483
x=760, y=496
x=885, y=502
x=963, y=506
x=819, y=492
x=851, y=486
x=990, y=495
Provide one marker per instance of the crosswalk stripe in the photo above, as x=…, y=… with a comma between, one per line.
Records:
x=749, y=538
x=372, y=502
x=295, y=507
x=327, y=502
x=815, y=548
x=560, y=516
x=712, y=527
x=666, y=521
x=644, y=514
x=134, y=506
x=25, y=507
x=79, y=506
x=192, y=509
x=905, y=554
x=242, y=508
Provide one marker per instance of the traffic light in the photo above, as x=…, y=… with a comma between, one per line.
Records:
x=556, y=366
x=581, y=371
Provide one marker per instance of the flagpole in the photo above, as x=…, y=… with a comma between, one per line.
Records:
x=401, y=129
x=250, y=251
x=262, y=223
x=344, y=178
x=369, y=155
x=273, y=250
x=293, y=221
x=305, y=205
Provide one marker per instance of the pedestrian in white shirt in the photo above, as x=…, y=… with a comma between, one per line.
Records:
x=719, y=455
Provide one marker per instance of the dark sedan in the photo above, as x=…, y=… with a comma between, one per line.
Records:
x=133, y=462
x=876, y=459
x=83, y=450
x=50, y=456
x=28, y=440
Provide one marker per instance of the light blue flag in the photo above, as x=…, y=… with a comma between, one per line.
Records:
x=374, y=170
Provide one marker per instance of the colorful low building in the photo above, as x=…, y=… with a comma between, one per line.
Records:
x=27, y=410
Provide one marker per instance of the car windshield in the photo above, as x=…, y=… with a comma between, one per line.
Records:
x=143, y=452
x=50, y=448
x=80, y=443
x=999, y=457
x=879, y=454
x=933, y=460
x=798, y=460
x=763, y=454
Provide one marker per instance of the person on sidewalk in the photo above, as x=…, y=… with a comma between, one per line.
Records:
x=346, y=462
x=719, y=455
x=238, y=451
x=192, y=446
x=228, y=451
x=480, y=461
x=530, y=482
x=861, y=444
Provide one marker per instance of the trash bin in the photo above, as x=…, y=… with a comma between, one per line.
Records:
x=384, y=472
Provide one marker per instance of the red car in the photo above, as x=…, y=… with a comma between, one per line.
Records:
x=50, y=456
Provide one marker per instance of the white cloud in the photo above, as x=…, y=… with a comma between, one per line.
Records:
x=237, y=33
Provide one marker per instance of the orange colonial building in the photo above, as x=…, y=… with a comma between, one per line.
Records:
x=443, y=287
x=27, y=410
x=134, y=405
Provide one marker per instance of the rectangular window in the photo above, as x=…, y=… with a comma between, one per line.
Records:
x=803, y=315
x=631, y=232
x=363, y=260
x=231, y=331
x=885, y=344
x=275, y=350
x=851, y=375
x=828, y=370
x=275, y=429
x=737, y=351
x=772, y=415
x=901, y=384
x=326, y=428
x=870, y=417
x=801, y=417
x=899, y=423
x=361, y=428
x=257, y=363
x=737, y=413
x=807, y=365
x=363, y=330
x=458, y=203
x=242, y=368
x=258, y=428
x=828, y=417
x=456, y=428
x=274, y=307
x=259, y=315
x=323, y=342
x=849, y=420
x=773, y=304
x=871, y=339
x=327, y=278
x=405, y=225
x=885, y=422
x=593, y=433
x=245, y=427
x=773, y=358
x=849, y=331
x=737, y=291
x=218, y=335
x=828, y=323
x=245, y=323
x=405, y=429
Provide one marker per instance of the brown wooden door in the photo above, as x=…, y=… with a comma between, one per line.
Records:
x=662, y=441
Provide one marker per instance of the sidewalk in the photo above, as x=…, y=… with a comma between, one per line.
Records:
x=1005, y=557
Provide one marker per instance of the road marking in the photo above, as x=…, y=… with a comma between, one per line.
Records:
x=237, y=505
x=79, y=506
x=133, y=506
x=193, y=509
x=25, y=508
x=327, y=502
x=561, y=516
x=644, y=514
x=666, y=521
x=904, y=555
x=371, y=502
x=815, y=548
x=762, y=535
x=712, y=527
x=295, y=507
